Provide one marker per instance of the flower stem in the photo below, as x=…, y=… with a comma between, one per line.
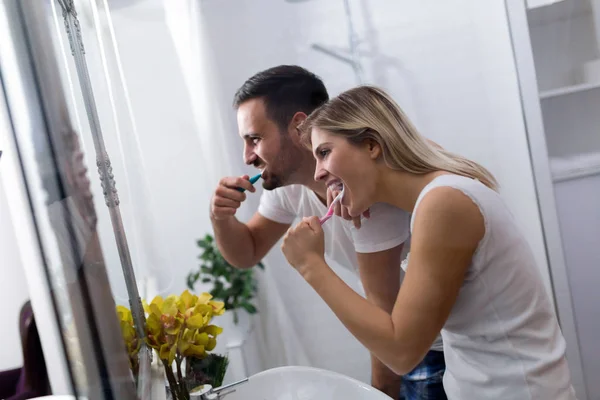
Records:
x=183, y=386
x=188, y=368
x=172, y=381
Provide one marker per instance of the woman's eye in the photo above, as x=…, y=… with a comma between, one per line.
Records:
x=323, y=153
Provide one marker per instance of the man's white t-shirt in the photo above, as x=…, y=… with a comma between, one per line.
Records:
x=386, y=228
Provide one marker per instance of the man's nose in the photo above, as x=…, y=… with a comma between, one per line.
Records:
x=249, y=155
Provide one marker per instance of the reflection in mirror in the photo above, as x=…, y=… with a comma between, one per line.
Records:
x=150, y=86
x=62, y=224
x=111, y=196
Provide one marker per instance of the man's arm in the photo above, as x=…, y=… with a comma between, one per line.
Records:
x=380, y=276
x=244, y=245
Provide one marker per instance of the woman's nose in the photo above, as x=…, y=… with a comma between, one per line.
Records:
x=320, y=173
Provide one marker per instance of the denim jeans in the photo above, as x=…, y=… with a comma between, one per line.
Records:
x=425, y=381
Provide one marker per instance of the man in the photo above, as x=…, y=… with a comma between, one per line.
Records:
x=270, y=106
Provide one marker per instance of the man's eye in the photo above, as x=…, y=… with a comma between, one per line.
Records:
x=254, y=140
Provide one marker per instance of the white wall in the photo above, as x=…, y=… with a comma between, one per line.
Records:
x=13, y=288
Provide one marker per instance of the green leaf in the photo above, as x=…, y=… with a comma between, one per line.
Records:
x=235, y=287
x=190, y=282
x=248, y=307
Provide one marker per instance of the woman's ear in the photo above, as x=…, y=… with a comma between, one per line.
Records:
x=374, y=148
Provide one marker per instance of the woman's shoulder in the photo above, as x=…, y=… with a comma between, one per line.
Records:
x=449, y=191
x=448, y=202
x=449, y=210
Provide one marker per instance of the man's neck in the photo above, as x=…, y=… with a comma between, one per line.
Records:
x=319, y=188
x=307, y=179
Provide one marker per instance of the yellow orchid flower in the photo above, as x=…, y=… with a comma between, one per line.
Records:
x=167, y=352
x=196, y=321
x=154, y=331
x=212, y=343
x=192, y=344
x=204, y=298
x=186, y=301
x=201, y=309
x=213, y=330
x=218, y=307
x=169, y=306
x=176, y=326
x=132, y=342
x=157, y=301
x=201, y=338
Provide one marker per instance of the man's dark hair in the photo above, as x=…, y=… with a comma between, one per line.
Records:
x=285, y=89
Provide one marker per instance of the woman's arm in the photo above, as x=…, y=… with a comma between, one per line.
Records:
x=447, y=229
x=380, y=277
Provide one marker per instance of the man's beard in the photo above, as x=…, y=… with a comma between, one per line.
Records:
x=290, y=160
x=273, y=182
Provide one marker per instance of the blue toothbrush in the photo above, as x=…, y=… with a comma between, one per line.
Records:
x=252, y=181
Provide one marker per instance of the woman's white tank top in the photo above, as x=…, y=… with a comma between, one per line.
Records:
x=502, y=339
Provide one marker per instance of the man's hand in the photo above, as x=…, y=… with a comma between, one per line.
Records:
x=342, y=211
x=227, y=199
x=383, y=379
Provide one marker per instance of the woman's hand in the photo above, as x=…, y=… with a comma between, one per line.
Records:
x=342, y=211
x=304, y=245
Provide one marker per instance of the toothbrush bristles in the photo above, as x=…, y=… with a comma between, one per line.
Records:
x=338, y=199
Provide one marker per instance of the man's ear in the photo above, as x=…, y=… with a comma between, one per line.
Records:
x=297, y=119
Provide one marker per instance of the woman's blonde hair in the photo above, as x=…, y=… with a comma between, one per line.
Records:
x=367, y=112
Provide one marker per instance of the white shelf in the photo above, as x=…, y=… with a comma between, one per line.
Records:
x=583, y=87
x=531, y=4
x=574, y=167
x=546, y=11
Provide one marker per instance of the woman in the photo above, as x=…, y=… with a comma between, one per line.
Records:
x=470, y=272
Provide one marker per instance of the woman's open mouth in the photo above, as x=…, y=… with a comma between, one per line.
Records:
x=335, y=186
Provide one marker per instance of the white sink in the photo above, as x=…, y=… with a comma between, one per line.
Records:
x=303, y=383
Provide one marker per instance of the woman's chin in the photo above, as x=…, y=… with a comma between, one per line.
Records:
x=354, y=212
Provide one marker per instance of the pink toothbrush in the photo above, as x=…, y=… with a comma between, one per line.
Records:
x=337, y=199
